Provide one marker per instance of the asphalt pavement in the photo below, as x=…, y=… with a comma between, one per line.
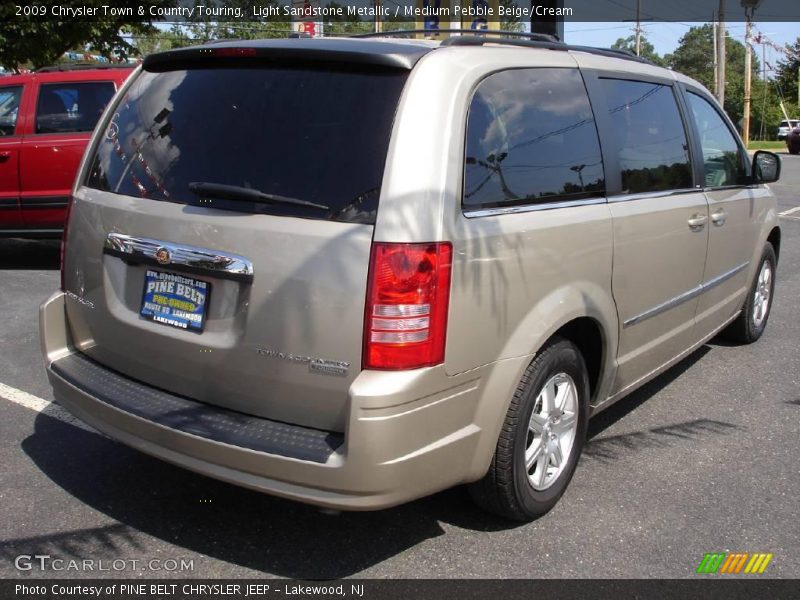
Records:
x=706, y=458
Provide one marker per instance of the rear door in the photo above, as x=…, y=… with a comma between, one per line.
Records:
x=64, y=116
x=659, y=221
x=220, y=246
x=10, y=143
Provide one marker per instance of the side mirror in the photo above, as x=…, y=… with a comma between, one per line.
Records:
x=766, y=167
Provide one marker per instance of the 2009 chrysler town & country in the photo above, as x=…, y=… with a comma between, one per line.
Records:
x=354, y=272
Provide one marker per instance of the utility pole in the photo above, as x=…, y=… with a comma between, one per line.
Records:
x=748, y=71
x=721, y=54
x=378, y=21
x=638, y=27
x=750, y=7
x=716, y=53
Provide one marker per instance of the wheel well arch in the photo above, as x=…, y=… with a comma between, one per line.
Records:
x=774, y=238
x=588, y=335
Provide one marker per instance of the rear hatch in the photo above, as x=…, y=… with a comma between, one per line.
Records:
x=219, y=245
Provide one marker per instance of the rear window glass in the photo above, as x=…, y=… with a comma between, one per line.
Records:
x=291, y=134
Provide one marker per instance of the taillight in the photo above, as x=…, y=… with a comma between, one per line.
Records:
x=62, y=252
x=407, y=299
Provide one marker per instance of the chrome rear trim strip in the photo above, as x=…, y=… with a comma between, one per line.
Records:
x=179, y=257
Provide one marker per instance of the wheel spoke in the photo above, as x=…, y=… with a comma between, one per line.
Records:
x=541, y=470
x=563, y=396
x=565, y=424
x=537, y=424
x=556, y=456
x=532, y=454
x=549, y=397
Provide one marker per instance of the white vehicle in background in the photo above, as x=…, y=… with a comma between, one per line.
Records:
x=785, y=127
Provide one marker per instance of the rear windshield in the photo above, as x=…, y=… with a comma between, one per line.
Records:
x=300, y=134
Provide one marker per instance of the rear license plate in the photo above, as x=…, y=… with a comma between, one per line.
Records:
x=175, y=300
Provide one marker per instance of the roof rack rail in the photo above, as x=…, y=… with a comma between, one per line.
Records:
x=525, y=43
x=481, y=37
x=82, y=66
x=613, y=53
x=478, y=33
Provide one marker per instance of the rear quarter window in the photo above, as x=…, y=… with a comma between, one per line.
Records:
x=317, y=135
x=531, y=139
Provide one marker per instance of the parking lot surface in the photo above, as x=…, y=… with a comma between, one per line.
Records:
x=706, y=458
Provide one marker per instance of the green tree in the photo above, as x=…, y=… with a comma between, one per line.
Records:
x=788, y=74
x=510, y=22
x=646, y=49
x=205, y=28
x=39, y=41
x=695, y=57
x=160, y=40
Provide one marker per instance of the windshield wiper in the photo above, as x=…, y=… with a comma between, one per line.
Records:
x=238, y=193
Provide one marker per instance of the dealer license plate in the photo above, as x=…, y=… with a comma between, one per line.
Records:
x=175, y=300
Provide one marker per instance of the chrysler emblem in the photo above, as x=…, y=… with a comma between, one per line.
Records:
x=163, y=256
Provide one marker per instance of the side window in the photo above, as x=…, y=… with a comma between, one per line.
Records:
x=9, y=109
x=722, y=157
x=71, y=107
x=653, y=151
x=531, y=138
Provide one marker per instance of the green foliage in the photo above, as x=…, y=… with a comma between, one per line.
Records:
x=159, y=40
x=204, y=29
x=646, y=49
x=37, y=41
x=510, y=22
x=788, y=73
x=695, y=57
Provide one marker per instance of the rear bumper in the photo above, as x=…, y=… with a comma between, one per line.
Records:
x=408, y=434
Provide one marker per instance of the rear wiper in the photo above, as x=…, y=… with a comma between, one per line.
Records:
x=235, y=192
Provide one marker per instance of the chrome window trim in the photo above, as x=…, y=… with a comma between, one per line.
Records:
x=738, y=186
x=523, y=208
x=190, y=259
x=685, y=296
x=658, y=194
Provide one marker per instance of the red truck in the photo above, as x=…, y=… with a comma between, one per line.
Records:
x=46, y=119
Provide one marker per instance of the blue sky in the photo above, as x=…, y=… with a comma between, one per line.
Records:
x=665, y=36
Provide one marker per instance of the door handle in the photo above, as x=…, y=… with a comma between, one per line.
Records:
x=719, y=218
x=4, y=156
x=697, y=222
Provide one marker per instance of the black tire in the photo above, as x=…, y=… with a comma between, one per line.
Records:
x=747, y=328
x=507, y=489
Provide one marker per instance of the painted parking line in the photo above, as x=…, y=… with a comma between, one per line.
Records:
x=41, y=405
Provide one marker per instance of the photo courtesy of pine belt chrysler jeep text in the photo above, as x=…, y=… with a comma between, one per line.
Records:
x=354, y=272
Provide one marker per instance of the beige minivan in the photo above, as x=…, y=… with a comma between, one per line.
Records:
x=353, y=272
